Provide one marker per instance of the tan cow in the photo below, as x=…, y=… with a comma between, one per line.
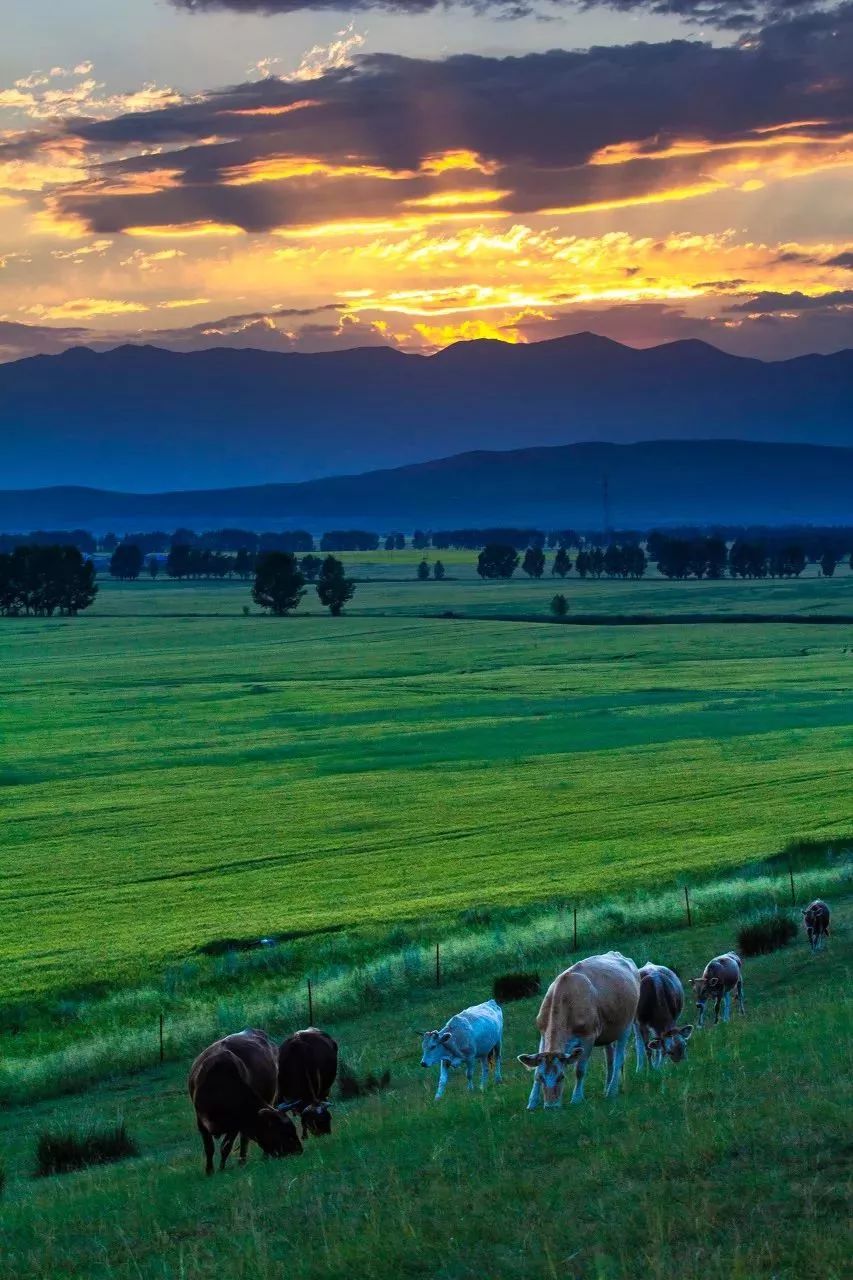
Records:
x=721, y=976
x=592, y=1003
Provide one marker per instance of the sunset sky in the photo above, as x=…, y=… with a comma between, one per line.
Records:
x=303, y=177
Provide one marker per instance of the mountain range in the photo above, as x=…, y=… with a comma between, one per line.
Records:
x=141, y=418
x=652, y=482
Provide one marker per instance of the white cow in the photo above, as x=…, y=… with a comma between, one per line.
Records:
x=473, y=1035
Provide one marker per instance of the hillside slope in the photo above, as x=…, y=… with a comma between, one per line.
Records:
x=144, y=418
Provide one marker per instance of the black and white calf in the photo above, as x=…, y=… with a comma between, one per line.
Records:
x=816, y=921
x=661, y=1004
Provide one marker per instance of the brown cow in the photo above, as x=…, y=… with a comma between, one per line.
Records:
x=816, y=920
x=232, y=1086
x=661, y=1005
x=592, y=1003
x=722, y=976
x=307, y=1069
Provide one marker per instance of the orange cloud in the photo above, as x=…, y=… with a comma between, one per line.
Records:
x=186, y=230
x=80, y=308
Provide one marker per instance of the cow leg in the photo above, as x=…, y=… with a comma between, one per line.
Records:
x=443, y=1076
x=727, y=1007
x=717, y=1004
x=498, y=1067
x=580, y=1073
x=641, y=1045
x=209, y=1148
x=244, y=1147
x=616, y=1056
x=225, y=1149
x=469, y=1073
x=700, y=1021
x=484, y=1071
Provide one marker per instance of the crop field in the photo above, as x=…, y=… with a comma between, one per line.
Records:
x=180, y=773
x=732, y=1164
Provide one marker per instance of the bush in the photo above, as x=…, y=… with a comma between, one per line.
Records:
x=350, y=1086
x=516, y=986
x=766, y=931
x=65, y=1151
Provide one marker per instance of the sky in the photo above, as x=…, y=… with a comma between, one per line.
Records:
x=291, y=175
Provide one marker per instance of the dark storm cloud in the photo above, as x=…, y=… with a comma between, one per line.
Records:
x=733, y=14
x=537, y=120
x=767, y=302
x=841, y=260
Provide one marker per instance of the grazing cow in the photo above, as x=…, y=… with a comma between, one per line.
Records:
x=661, y=1004
x=816, y=920
x=473, y=1035
x=722, y=976
x=232, y=1086
x=307, y=1069
x=592, y=1003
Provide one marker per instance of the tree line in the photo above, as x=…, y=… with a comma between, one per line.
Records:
x=280, y=583
x=44, y=580
x=500, y=560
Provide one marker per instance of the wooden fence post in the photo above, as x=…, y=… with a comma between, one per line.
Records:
x=791, y=876
x=162, y=1046
x=437, y=965
x=687, y=904
x=310, y=1005
x=574, y=928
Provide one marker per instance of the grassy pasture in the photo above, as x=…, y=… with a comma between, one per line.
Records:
x=169, y=780
x=733, y=1164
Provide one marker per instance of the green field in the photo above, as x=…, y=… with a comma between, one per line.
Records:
x=731, y=1165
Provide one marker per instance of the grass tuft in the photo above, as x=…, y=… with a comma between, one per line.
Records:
x=65, y=1151
x=766, y=931
x=516, y=986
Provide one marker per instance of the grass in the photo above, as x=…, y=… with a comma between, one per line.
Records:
x=732, y=1164
x=765, y=931
x=67, y=1151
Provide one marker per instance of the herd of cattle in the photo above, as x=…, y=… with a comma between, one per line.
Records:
x=243, y=1085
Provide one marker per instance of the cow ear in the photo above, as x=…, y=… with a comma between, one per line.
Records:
x=571, y=1056
x=686, y=1032
x=530, y=1060
x=445, y=1037
x=657, y=1043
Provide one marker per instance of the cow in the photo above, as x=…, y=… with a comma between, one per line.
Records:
x=660, y=1006
x=474, y=1035
x=816, y=920
x=592, y=1003
x=232, y=1086
x=721, y=976
x=307, y=1069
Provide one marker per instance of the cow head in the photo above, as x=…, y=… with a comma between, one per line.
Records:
x=550, y=1071
x=316, y=1120
x=275, y=1133
x=673, y=1043
x=437, y=1047
x=705, y=989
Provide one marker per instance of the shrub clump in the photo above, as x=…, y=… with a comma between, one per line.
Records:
x=766, y=931
x=351, y=1086
x=516, y=986
x=64, y=1151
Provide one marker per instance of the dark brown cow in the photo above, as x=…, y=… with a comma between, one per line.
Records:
x=816, y=920
x=307, y=1069
x=722, y=976
x=661, y=1004
x=232, y=1086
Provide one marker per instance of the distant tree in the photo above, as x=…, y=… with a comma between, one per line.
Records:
x=399, y=542
x=184, y=538
x=126, y=562
x=747, y=559
x=533, y=563
x=298, y=540
x=438, y=571
x=420, y=540
x=311, y=566
x=596, y=562
x=497, y=560
x=244, y=563
x=635, y=561
x=615, y=561
x=562, y=563
x=828, y=561
x=44, y=580
x=717, y=556
x=153, y=567
x=349, y=540
x=389, y=542
x=179, y=562
x=423, y=571
x=333, y=587
x=279, y=584
x=559, y=606
x=582, y=563
x=673, y=557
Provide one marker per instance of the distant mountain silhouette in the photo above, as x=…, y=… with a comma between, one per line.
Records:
x=140, y=418
x=661, y=481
